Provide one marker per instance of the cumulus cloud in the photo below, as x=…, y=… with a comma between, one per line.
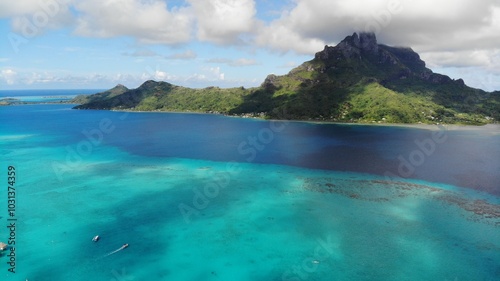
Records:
x=147, y=20
x=447, y=33
x=25, y=7
x=446, y=25
x=304, y=26
x=216, y=73
x=224, y=21
x=38, y=78
x=8, y=76
x=310, y=24
x=31, y=18
x=30, y=77
x=281, y=37
x=16, y=8
x=163, y=76
x=427, y=25
x=459, y=59
x=210, y=74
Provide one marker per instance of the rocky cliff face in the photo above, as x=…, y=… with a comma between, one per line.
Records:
x=364, y=42
x=363, y=53
x=351, y=47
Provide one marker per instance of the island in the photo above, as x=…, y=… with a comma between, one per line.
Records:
x=356, y=81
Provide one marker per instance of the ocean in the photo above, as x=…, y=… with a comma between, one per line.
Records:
x=211, y=197
x=44, y=96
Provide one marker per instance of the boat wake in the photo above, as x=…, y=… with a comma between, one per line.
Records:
x=115, y=251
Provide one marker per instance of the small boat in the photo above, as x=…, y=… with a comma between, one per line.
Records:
x=124, y=246
x=96, y=238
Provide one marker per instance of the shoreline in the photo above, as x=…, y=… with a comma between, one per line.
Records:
x=402, y=125
x=436, y=126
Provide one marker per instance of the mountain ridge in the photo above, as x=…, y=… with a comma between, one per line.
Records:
x=358, y=80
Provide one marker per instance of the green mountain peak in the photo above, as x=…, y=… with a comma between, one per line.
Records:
x=358, y=80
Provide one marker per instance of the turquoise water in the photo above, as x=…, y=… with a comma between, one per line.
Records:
x=179, y=190
x=43, y=99
x=43, y=96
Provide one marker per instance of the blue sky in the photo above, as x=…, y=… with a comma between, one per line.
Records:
x=96, y=44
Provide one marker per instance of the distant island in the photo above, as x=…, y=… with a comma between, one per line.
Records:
x=56, y=100
x=9, y=101
x=357, y=81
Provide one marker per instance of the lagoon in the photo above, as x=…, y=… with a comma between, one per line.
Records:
x=209, y=197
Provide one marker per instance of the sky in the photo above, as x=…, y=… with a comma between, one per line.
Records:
x=96, y=44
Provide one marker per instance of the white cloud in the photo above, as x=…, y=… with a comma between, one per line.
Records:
x=20, y=8
x=32, y=18
x=149, y=21
x=304, y=27
x=281, y=37
x=447, y=33
x=43, y=79
x=216, y=73
x=224, y=21
x=446, y=25
x=163, y=76
x=211, y=74
x=310, y=24
x=458, y=58
x=426, y=25
x=9, y=76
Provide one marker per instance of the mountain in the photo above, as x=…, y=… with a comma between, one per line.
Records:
x=358, y=80
x=117, y=90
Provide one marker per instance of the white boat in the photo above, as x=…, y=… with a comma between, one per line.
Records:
x=96, y=238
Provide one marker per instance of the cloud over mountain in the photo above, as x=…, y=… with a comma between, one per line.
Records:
x=302, y=27
x=447, y=33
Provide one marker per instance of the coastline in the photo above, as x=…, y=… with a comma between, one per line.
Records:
x=260, y=116
x=436, y=126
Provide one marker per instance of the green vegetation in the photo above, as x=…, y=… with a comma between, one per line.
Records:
x=162, y=96
x=373, y=103
x=356, y=81
x=210, y=99
x=117, y=90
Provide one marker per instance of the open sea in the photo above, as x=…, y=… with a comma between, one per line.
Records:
x=210, y=197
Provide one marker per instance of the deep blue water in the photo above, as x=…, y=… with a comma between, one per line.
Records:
x=392, y=203
x=467, y=157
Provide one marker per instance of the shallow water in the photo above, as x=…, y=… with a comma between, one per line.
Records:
x=183, y=191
